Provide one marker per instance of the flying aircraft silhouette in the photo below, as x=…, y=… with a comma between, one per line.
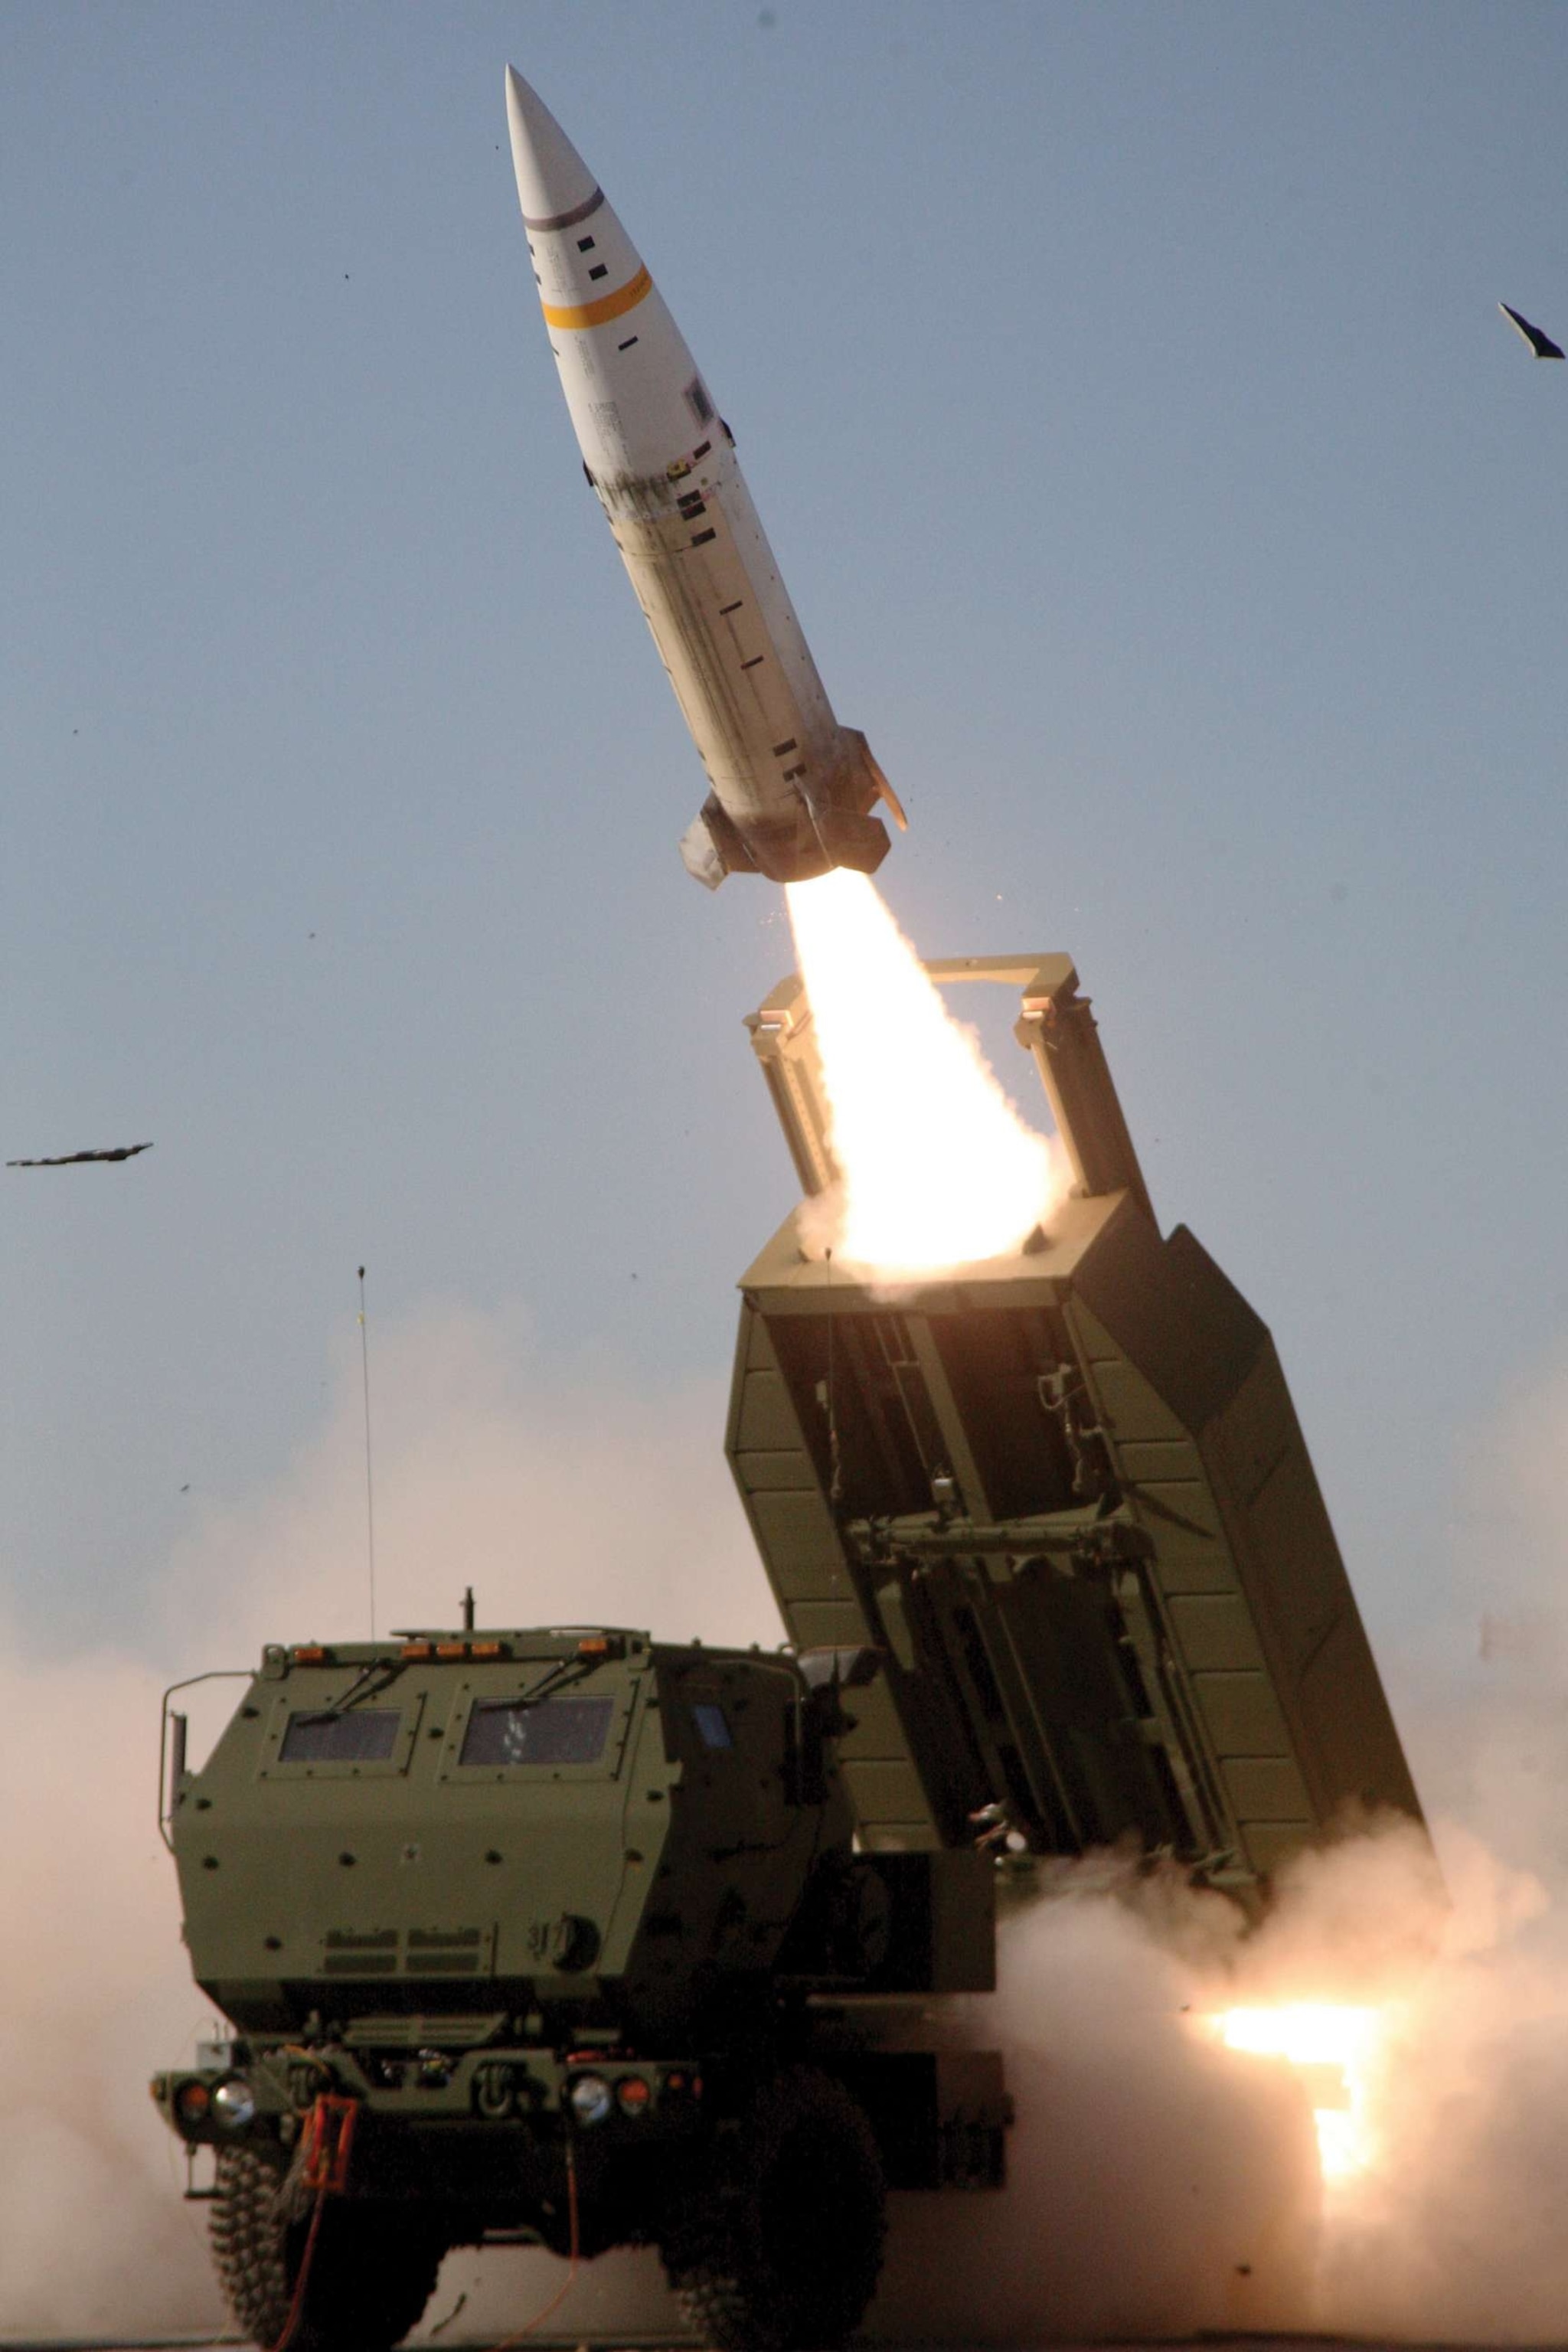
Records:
x=70, y=1159
x=1542, y=345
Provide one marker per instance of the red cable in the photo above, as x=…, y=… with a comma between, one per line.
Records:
x=303, y=2282
x=559, y=2297
x=556, y=2300
x=333, y=2168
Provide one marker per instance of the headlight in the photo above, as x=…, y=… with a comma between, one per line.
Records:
x=590, y=2098
x=233, y=2103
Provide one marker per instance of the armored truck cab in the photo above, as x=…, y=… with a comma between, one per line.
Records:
x=534, y=1818
x=562, y=1936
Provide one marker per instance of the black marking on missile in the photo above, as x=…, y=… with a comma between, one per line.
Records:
x=752, y=663
x=701, y=450
x=731, y=608
x=697, y=400
x=600, y=269
x=627, y=344
x=701, y=538
x=585, y=244
x=780, y=748
x=790, y=775
x=691, y=504
x=570, y=219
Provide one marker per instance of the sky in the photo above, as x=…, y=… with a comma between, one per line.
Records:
x=1125, y=392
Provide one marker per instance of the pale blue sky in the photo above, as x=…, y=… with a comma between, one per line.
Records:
x=1125, y=392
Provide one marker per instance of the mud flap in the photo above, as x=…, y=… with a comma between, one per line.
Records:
x=940, y=2117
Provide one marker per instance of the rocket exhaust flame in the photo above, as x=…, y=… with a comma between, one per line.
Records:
x=1335, y=2050
x=967, y=1179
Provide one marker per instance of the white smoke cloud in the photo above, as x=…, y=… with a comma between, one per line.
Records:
x=560, y=1505
x=93, y=1996
x=1158, y=2184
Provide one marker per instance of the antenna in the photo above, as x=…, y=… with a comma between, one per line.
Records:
x=836, y=1467
x=369, y=1481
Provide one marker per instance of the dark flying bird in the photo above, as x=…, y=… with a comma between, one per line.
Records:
x=69, y=1158
x=1542, y=345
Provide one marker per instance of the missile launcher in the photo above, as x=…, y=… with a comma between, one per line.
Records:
x=1066, y=1496
x=572, y=1937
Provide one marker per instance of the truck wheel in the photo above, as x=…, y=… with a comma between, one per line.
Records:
x=778, y=2247
x=371, y=2275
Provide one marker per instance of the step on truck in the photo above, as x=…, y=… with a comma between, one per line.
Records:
x=577, y=1938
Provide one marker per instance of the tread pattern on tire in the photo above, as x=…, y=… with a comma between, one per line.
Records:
x=246, y=2234
x=370, y=2278
x=736, y=2283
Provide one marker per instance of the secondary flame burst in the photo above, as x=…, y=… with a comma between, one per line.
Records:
x=1335, y=2050
x=938, y=1167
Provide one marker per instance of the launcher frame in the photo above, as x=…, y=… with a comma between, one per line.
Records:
x=1065, y=1493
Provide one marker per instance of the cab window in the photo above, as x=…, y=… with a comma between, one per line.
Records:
x=365, y=1735
x=502, y=1732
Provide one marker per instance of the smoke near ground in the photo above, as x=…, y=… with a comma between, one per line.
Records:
x=1161, y=2184
x=92, y=2236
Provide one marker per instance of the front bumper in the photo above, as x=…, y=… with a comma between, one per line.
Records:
x=260, y=2096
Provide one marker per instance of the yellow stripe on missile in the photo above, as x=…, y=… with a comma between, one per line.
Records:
x=609, y=306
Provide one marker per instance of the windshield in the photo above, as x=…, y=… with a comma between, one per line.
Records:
x=542, y=1731
x=367, y=1734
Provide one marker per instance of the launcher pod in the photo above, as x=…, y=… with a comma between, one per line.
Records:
x=1065, y=1496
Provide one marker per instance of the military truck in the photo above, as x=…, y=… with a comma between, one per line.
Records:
x=579, y=1938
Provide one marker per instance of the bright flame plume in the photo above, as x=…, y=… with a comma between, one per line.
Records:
x=1333, y=2049
x=938, y=1167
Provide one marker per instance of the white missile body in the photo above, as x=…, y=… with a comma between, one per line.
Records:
x=792, y=789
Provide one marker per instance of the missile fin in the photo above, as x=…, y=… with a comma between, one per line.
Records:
x=871, y=769
x=849, y=839
x=710, y=846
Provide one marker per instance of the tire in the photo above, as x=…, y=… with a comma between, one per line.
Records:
x=371, y=2274
x=778, y=2247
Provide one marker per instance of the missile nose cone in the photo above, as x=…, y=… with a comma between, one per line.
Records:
x=551, y=177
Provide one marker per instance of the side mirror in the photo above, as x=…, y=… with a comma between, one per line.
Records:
x=841, y=1669
x=826, y=1673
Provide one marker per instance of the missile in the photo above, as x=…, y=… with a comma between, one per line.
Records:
x=792, y=791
